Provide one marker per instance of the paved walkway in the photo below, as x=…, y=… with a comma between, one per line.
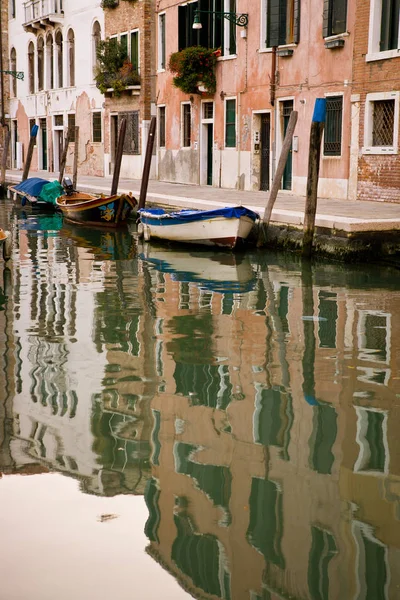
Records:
x=289, y=209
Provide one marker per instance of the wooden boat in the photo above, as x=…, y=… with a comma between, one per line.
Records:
x=35, y=192
x=91, y=210
x=223, y=272
x=6, y=243
x=223, y=227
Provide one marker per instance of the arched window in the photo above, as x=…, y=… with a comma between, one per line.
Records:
x=40, y=64
x=13, y=67
x=49, y=62
x=31, y=67
x=96, y=36
x=59, y=51
x=71, y=57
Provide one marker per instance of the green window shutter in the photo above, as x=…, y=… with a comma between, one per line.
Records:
x=273, y=23
x=124, y=44
x=182, y=12
x=325, y=17
x=230, y=124
x=135, y=50
x=296, y=28
x=232, y=29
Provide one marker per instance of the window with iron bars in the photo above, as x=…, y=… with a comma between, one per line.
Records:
x=131, y=142
x=161, y=126
x=333, y=126
x=383, y=123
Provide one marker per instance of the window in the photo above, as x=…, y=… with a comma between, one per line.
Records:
x=381, y=123
x=71, y=58
x=31, y=68
x=59, y=60
x=161, y=42
x=384, y=30
x=96, y=38
x=323, y=549
x=161, y=126
x=374, y=336
x=40, y=63
x=334, y=17
x=134, y=50
x=12, y=9
x=373, y=457
x=71, y=127
x=50, y=62
x=372, y=564
x=131, y=143
x=124, y=43
x=186, y=125
x=96, y=127
x=323, y=438
x=333, y=126
x=58, y=121
x=216, y=31
x=280, y=22
x=187, y=36
x=230, y=123
x=13, y=67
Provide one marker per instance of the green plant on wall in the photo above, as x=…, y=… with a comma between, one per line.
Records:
x=109, y=3
x=192, y=66
x=114, y=69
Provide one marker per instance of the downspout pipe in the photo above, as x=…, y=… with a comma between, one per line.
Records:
x=2, y=118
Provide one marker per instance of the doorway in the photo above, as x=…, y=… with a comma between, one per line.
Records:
x=265, y=151
x=207, y=143
x=43, y=143
x=286, y=110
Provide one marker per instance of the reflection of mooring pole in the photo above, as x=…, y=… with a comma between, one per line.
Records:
x=147, y=163
x=118, y=157
x=317, y=129
x=6, y=144
x=76, y=156
x=29, y=155
x=309, y=336
x=63, y=162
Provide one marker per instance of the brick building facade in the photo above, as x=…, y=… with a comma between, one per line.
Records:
x=376, y=97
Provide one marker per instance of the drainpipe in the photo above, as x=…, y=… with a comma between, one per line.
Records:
x=1, y=72
x=272, y=77
x=239, y=114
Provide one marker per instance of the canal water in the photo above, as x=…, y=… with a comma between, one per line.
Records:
x=180, y=423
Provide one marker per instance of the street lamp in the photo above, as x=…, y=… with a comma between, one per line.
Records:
x=240, y=19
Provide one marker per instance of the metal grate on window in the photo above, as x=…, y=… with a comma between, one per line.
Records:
x=131, y=143
x=161, y=126
x=58, y=120
x=208, y=110
x=333, y=126
x=71, y=127
x=96, y=125
x=383, y=123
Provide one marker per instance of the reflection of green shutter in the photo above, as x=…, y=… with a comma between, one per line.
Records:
x=323, y=548
x=374, y=437
x=328, y=311
x=198, y=557
x=155, y=439
x=151, y=496
x=375, y=569
x=215, y=481
x=266, y=520
x=323, y=438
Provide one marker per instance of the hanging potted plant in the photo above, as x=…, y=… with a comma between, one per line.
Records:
x=114, y=70
x=194, y=70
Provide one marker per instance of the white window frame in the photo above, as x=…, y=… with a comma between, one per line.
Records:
x=368, y=148
x=162, y=46
x=374, y=35
x=183, y=125
x=362, y=423
x=365, y=353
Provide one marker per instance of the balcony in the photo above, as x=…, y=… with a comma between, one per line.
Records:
x=40, y=14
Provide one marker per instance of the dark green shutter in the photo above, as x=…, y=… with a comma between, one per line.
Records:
x=325, y=23
x=273, y=24
x=296, y=28
x=182, y=10
x=232, y=29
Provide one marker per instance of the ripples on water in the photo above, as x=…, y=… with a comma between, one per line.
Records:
x=252, y=400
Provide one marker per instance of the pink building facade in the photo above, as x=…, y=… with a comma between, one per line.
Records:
x=282, y=60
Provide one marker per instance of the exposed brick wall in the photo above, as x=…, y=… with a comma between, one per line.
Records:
x=127, y=16
x=378, y=175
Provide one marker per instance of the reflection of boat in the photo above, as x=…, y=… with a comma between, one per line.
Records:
x=87, y=209
x=49, y=223
x=106, y=244
x=224, y=227
x=37, y=192
x=222, y=272
x=6, y=243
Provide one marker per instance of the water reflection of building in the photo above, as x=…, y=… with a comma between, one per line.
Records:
x=65, y=413
x=275, y=449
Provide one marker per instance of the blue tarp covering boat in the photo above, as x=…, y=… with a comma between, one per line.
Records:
x=32, y=186
x=36, y=190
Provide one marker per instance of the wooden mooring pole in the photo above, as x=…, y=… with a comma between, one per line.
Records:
x=76, y=156
x=118, y=157
x=63, y=161
x=276, y=184
x=317, y=129
x=32, y=142
x=6, y=145
x=147, y=163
